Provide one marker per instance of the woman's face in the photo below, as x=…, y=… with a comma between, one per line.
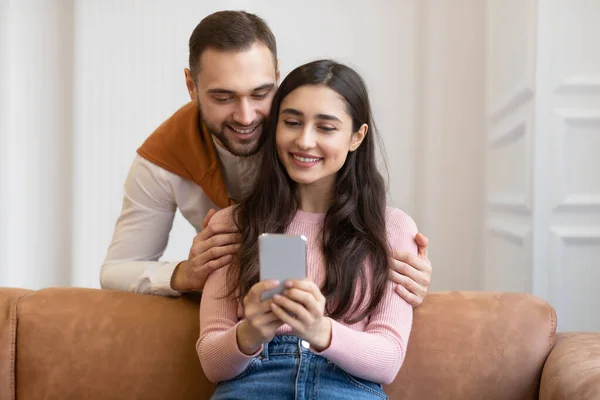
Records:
x=314, y=134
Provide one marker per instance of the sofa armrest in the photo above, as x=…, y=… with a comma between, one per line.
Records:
x=572, y=370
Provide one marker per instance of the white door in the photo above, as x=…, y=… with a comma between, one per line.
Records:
x=543, y=155
x=567, y=153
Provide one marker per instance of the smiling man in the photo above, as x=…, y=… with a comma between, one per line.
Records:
x=203, y=158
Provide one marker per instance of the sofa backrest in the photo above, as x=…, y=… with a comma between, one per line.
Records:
x=477, y=345
x=73, y=343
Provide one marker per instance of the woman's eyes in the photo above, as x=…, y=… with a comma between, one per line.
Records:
x=324, y=128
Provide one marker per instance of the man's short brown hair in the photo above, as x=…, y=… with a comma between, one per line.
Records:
x=229, y=31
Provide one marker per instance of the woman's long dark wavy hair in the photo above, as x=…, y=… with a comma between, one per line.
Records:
x=354, y=226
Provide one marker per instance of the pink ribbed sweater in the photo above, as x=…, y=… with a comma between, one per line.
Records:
x=371, y=349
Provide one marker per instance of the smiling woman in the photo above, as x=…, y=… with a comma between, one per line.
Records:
x=315, y=134
x=318, y=178
x=339, y=179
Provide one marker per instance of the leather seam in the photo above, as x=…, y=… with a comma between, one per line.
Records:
x=553, y=325
x=13, y=344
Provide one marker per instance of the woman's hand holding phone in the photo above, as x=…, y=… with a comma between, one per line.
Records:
x=260, y=323
x=302, y=307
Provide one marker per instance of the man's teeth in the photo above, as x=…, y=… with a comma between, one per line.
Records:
x=305, y=159
x=243, y=131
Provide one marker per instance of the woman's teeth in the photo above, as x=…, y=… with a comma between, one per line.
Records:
x=305, y=159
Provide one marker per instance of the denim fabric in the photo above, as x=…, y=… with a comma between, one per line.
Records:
x=287, y=369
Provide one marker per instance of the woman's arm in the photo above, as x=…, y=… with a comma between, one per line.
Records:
x=226, y=346
x=377, y=353
x=217, y=346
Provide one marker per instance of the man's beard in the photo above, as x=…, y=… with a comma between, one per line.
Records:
x=236, y=147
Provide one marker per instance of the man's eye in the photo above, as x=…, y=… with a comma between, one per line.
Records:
x=222, y=99
x=260, y=96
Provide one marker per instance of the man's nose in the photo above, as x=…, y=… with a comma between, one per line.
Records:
x=245, y=114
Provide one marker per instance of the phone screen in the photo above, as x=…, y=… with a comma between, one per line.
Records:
x=281, y=257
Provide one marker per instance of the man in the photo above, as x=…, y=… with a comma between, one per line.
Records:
x=204, y=157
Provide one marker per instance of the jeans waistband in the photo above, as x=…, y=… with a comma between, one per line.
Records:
x=289, y=345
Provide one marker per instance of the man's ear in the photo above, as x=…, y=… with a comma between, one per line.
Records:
x=190, y=84
x=358, y=137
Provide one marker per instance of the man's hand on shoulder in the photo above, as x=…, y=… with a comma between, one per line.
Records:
x=411, y=273
x=212, y=248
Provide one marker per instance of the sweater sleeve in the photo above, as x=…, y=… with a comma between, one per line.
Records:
x=217, y=346
x=141, y=233
x=377, y=353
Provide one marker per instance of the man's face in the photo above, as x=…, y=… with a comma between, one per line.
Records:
x=234, y=92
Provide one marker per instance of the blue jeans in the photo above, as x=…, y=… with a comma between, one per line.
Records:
x=287, y=369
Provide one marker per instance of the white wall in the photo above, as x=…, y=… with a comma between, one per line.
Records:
x=127, y=59
x=3, y=128
x=129, y=78
x=448, y=166
x=510, y=82
x=36, y=143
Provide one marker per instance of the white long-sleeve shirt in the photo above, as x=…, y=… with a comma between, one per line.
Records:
x=151, y=198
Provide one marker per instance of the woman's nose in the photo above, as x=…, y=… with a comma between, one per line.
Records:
x=306, y=138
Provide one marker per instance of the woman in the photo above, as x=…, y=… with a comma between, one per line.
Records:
x=342, y=332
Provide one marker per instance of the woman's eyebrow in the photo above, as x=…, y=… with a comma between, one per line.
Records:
x=327, y=117
x=292, y=111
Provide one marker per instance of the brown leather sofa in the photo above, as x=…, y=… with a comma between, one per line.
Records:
x=71, y=343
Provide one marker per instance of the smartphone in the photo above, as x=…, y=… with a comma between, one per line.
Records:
x=281, y=257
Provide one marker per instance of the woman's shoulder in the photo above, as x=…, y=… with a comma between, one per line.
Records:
x=398, y=221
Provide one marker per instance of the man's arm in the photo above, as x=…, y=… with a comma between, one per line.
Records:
x=412, y=274
x=211, y=249
x=141, y=234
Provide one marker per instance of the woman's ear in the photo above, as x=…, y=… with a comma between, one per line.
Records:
x=358, y=137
